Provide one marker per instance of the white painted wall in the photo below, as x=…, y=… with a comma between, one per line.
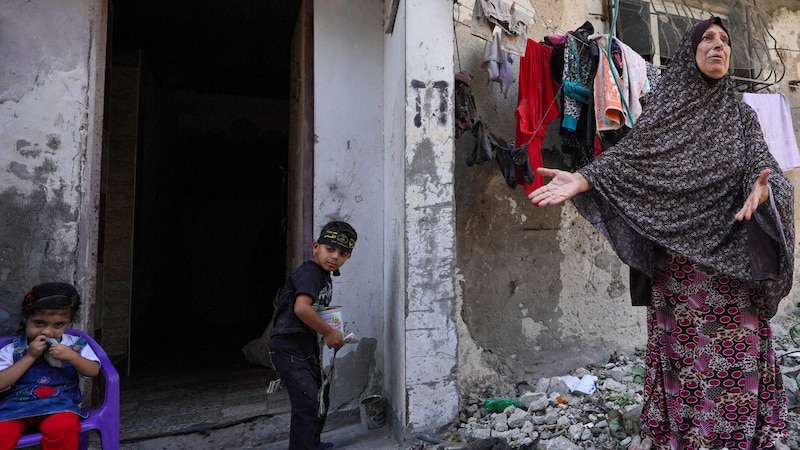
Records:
x=390, y=173
x=349, y=175
x=50, y=126
x=394, y=269
x=431, y=340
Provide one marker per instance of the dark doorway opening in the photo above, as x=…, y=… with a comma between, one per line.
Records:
x=209, y=216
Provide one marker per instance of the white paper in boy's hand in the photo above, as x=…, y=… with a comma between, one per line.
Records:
x=350, y=338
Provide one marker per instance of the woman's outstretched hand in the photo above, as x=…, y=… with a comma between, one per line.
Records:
x=758, y=195
x=563, y=186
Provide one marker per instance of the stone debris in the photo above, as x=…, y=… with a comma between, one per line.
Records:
x=556, y=417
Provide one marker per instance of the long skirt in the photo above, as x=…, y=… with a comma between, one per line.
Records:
x=711, y=379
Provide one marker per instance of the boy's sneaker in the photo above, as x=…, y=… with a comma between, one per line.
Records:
x=325, y=446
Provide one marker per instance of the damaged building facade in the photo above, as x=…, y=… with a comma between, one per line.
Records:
x=159, y=194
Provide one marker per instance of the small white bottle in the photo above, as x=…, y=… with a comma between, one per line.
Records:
x=50, y=360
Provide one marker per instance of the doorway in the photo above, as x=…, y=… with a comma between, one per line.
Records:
x=199, y=153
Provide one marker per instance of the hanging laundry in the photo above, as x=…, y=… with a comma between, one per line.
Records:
x=482, y=149
x=498, y=63
x=467, y=119
x=465, y=111
x=615, y=108
x=774, y=115
x=505, y=161
x=535, y=107
x=512, y=19
x=523, y=164
x=576, y=75
x=573, y=63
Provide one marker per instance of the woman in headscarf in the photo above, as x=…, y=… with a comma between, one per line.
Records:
x=693, y=201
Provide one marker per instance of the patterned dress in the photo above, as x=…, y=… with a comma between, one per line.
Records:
x=712, y=380
x=676, y=182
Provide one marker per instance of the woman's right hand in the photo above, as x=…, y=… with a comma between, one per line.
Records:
x=563, y=186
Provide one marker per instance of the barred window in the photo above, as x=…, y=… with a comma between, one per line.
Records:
x=654, y=29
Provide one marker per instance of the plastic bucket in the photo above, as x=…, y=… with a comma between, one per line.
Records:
x=333, y=317
x=372, y=415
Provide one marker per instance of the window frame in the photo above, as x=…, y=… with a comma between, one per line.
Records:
x=752, y=59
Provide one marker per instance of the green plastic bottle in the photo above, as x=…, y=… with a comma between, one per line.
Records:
x=496, y=405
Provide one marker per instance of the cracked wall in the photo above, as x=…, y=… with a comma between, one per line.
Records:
x=348, y=182
x=539, y=291
x=44, y=109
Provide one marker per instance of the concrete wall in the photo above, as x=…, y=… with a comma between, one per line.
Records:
x=400, y=198
x=349, y=178
x=50, y=129
x=784, y=29
x=394, y=267
x=540, y=292
x=430, y=208
x=537, y=292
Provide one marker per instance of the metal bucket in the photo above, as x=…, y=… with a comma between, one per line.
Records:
x=333, y=317
x=372, y=412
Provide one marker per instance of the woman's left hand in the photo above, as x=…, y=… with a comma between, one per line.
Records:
x=758, y=195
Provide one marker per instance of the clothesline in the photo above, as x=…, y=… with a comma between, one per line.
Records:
x=545, y=23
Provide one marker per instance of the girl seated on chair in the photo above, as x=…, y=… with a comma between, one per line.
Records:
x=40, y=369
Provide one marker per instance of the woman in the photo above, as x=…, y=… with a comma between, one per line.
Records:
x=693, y=199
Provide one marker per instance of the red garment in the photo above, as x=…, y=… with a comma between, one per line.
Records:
x=536, y=106
x=60, y=431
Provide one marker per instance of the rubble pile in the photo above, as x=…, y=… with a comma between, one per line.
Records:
x=596, y=407
x=593, y=408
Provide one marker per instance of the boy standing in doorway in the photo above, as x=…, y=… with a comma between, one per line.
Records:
x=294, y=349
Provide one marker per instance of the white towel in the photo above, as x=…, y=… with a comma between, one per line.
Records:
x=775, y=118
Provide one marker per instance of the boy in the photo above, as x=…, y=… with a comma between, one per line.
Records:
x=295, y=354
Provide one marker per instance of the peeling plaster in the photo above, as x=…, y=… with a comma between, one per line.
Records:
x=532, y=329
x=595, y=288
x=39, y=236
x=471, y=368
x=45, y=121
x=431, y=336
x=357, y=373
x=43, y=113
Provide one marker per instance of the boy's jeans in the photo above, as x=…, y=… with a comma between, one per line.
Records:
x=295, y=358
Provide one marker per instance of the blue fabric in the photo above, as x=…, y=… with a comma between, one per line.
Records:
x=577, y=91
x=42, y=389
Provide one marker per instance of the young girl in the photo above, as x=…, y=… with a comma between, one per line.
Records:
x=39, y=371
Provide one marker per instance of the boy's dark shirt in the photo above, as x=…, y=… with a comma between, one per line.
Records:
x=310, y=279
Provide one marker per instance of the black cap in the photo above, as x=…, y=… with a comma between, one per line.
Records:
x=338, y=234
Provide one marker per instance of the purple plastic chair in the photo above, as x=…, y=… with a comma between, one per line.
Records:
x=105, y=417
